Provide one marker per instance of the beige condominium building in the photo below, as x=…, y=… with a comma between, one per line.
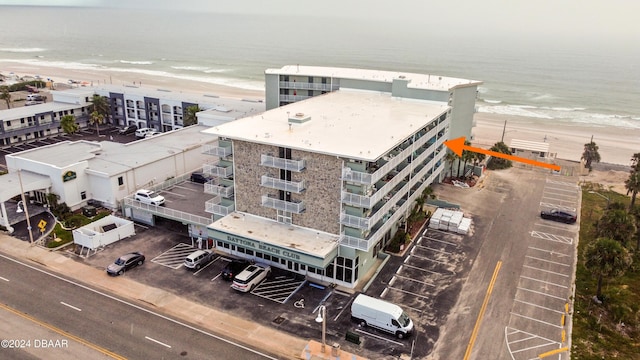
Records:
x=321, y=182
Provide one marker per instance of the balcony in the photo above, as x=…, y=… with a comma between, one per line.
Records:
x=217, y=150
x=219, y=206
x=219, y=169
x=355, y=221
x=289, y=206
x=309, y=86
x=284, y=164
x=294, y=98
x=215, y=188
x=279, y=184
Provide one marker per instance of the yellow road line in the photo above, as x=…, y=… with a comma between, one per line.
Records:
x=553, y=352
x=64, y=333
x=476, y=328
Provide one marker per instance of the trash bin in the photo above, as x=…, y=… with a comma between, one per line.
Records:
x=335, y=350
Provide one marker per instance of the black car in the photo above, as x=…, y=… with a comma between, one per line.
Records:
x=233, y=268
x=131, y=129
x=125, y=262
x=199, y=178
x=559, y=215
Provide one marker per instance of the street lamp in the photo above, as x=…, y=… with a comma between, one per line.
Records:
x=322, y=318
x=602, y=196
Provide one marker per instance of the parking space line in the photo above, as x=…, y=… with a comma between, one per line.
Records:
x=552, y=237
x=542, y=293
x=441, y=241
x=379, y=337
x=542, y=281
x=431, y=249
x=427, y=270
x=407, y=292
x=532, y=347
x=574, y=190
x=559, y=199
x=543, y=270
x=204, y=267
x=561, y=207
x=562, y=183
x=410, y=279
x=428, y=259
x=539, y=306
x=573, y=195
x=551, y=252
x=528, y=333
x=548, y=261
x=537, y=320
x=523, y=339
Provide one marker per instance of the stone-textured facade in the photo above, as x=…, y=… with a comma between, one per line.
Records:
x=322, y=185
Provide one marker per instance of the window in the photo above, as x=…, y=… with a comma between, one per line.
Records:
x=120, y=181
x=249, y=252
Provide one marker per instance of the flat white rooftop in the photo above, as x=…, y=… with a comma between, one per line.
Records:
x=27, y=111
x=361, y=125
x=530, y=145
x=304, y=240
x=112, y=158
x=419, y=81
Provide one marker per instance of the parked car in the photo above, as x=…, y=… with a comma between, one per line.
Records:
x=131, y=129
x=125, y=262
x=152, y=133
x=233, y=268
x=199, y=178
x=149, y=197
x=142, y=132
x=379, y=314
x=198, y=259
x=250, y=277
x=559, y=215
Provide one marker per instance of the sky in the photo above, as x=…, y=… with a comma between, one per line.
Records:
x=567, y=18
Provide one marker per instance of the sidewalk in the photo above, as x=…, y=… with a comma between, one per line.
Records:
x=254, y=335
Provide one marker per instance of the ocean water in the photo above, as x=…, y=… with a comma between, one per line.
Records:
x=574, y=83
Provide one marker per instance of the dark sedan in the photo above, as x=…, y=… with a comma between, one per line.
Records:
x=125, y=262
x=559, y=216
x=199, y=178
x=233, y=268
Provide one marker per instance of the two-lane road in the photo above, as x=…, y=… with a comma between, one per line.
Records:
x=87, y=318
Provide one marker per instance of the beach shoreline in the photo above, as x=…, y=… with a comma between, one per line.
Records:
x=616, y=144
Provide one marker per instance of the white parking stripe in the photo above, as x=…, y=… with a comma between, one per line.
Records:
x=441, y=241
x=551, y=205
x=550, y=252
x=548, y=261
x=432, y=249
x=544, y=282
x=427, y=270
x=543, y=270
x=412, y=280
x=562, y=183
x=540, y=307
x=537, y=320
x=542, y=293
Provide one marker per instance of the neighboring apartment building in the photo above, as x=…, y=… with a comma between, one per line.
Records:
x=162, y=110
x=320, y=186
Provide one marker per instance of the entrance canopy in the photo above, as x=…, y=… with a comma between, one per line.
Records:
x=10, y=184
x=302, y=245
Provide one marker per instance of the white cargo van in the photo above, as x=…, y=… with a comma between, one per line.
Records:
x=381, y=315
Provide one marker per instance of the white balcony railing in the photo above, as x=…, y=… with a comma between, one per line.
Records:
x=289, y=206
x=279, y=184
x=213, y=188
x=217, y=150
x=218, y=169
x=284, y=164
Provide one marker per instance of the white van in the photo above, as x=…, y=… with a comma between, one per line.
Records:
x=142, y=132
x=381, y=315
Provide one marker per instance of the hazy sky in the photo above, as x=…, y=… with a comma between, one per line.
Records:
x=608, y=19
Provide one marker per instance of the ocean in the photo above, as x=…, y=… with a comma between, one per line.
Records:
x=579, y=83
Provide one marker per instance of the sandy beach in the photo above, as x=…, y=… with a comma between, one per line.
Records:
x=616, y=145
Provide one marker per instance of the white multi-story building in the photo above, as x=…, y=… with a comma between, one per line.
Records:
x=320, y=186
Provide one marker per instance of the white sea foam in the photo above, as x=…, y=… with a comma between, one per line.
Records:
x=22, y=50
x=136, y=62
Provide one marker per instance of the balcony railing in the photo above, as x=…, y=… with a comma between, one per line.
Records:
x=218, y=169
x=289, y=206
x=218, y=206
x=284, y=164
x=309, y=86
x=217, y=150
x=213, y=188
x=294, y=98
x=279, y=184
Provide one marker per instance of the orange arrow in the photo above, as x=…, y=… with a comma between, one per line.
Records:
x=457, y=146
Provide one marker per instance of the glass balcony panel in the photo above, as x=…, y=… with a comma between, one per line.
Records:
x=284, y=164
x=279, y=184
x=290, y=206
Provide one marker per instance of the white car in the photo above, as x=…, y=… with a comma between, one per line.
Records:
x=250, y=277
x=149, y=197
x=152, y=133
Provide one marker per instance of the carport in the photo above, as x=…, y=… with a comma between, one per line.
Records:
x=15, y=184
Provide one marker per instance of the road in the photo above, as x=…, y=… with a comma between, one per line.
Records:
x=95, y=322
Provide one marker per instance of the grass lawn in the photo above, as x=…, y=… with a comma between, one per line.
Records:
x=609, y=330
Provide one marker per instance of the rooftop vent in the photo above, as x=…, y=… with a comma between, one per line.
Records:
x=299, y=118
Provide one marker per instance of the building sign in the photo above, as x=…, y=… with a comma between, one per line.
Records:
x=69, y=175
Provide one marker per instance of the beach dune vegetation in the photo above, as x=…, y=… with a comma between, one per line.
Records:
x=499, y=163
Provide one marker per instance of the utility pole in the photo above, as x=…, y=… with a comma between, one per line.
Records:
x=503, y=130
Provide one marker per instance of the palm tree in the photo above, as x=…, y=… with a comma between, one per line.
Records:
x=466, y=157
x=617, y=224
x=6, y=96
x=190, y=117
x=590, y=154
x=606, y=258
x=635, y=162
x=632, y=184
x=97, y=119
x=68, y=124
x=449, y=159
x=100, y=104
x=500, y=163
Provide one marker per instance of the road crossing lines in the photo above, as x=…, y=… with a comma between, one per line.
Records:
x=174, y=257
